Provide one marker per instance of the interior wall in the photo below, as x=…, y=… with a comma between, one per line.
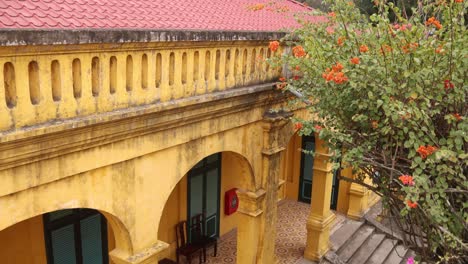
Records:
x=231, y=175
x=292, y=167
x=174, y=211
x=23, y=242
x=110, y=240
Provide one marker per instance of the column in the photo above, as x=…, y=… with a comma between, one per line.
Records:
x=320, y=218
x=248, y=231
x=257, y=227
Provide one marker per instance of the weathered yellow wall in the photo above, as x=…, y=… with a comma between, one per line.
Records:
x=175, y=210
x=230, y=178
x=110, y=241
x=23, y=243
x=126, y=163
x=292, y=167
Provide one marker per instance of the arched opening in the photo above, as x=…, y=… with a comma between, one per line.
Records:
x=203, y=191
x=297, y=171
x=78, y=235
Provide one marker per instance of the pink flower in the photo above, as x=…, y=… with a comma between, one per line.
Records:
x=410, y=260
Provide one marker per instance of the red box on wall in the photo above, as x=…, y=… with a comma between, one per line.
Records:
x=231, y=202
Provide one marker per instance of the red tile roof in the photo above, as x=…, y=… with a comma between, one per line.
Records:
x=220, y=15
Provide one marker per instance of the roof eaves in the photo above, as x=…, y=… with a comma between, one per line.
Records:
x=21, y=37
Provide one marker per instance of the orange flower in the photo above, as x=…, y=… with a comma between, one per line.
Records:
x=332, y=14
x=340, y=41
x=425, y=151
x=457, y=116
x=274, y=45
x=298, y=51
x=298, y=126
x=280, y=86
x=318, y=128
x=434, y=21
x=385, y=49
x=363, y=48
x=334, y=74
x=340, y=78
x=256, y=7
x=297, y=68
x=410, y=47
x=355, y=60
x=375, y=124
x=411, y=204
x=282, y=79
x=337, y=67
x=458, y=1
x=440, y=50
x=407, y=180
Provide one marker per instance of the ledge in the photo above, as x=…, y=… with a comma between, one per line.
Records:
x=20, y=37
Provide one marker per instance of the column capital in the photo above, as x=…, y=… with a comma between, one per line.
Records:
x=272, y=120
x=274, y=139
x=250, y=203
x=147, y=256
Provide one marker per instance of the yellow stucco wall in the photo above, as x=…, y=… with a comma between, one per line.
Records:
x=23, y=243
x=291, y=164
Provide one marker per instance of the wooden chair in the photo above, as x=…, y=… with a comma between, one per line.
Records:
x=199, y=235
x=183, y=247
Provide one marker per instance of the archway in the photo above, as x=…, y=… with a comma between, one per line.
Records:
x=75, y=235
x=203, y=189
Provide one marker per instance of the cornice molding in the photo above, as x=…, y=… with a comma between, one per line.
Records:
x=53, y=140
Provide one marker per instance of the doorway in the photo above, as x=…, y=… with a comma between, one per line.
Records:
x=307, y=173
x=76, y=236
x=204, y=181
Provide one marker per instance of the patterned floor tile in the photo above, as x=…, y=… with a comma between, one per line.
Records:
x=290, y=239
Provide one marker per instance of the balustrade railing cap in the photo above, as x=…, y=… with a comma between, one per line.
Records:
x=20, y=37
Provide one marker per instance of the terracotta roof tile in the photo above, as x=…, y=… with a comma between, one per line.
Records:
x=220, y=15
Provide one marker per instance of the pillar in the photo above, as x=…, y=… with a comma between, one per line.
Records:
x=250, y=214
x=357, y=206
x=320, y=217
x=257, y=227
x=147, y=256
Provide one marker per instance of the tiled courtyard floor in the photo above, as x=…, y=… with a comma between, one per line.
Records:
x=291, y=235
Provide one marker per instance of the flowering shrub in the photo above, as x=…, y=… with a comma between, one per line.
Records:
x=390, y=89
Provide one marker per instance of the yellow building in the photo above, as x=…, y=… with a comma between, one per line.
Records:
x=120, y=119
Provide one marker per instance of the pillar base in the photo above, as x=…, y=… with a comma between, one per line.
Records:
x=147, y=256
x=318, y=235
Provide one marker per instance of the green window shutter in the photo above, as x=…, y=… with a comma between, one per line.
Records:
x=91, y=240
x=63, y=245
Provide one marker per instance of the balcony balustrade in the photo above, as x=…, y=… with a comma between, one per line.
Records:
x=51, y=84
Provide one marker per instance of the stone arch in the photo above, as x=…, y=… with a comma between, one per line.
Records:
x=242, y=161
x=51, y=197
x=169, y=214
